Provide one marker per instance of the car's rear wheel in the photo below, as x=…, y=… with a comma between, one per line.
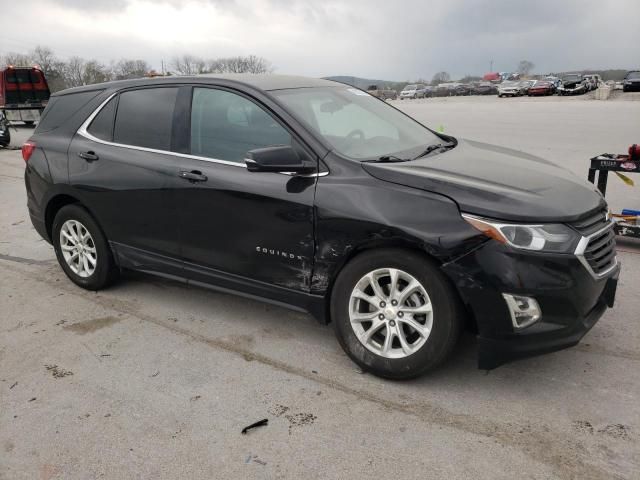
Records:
x=394, y=313
x=82, y=249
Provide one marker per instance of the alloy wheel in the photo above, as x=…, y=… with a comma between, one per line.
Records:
x=391, y=313
x=78, y=248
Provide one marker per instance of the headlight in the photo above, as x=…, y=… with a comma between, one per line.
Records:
x=552, y=237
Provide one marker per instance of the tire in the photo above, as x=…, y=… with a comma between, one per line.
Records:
x=424, y=351
x=104, y=271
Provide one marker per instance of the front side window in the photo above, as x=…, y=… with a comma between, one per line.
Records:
x=356, y=124
x=225, y=126
x=145, y=117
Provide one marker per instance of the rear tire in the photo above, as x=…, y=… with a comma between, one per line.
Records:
x=82, y=249
x=391, y=347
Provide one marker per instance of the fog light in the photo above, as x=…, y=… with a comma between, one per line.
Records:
x=524, y=311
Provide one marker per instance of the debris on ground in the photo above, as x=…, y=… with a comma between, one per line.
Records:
x=260, y=423
x=16, y=383
x=58, y=372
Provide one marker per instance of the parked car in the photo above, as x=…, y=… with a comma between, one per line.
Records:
x=525, y=85
x=382, y=93
x=444, y=90
x=573, y=84
x=485, y=88
x=594, y=80
x=413, y=91
x=24, y=92
x=556, y=81
x=274, y=188
x=631, y=82
x=5, y=134
x=462, y=89
x=541, y=87
x=510, y=89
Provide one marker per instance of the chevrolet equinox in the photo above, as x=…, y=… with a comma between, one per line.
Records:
x=316, y=196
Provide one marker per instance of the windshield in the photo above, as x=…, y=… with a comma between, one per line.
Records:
x=410, y=87
x=572, y=78
x=633, y=75
x=356, y=124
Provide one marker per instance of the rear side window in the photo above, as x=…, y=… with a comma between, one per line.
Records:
x=62, y=107
x=225, y=126
x=144, y=118
x=102, y=125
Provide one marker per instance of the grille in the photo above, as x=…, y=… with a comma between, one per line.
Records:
x=600, y=253
x=600, y=250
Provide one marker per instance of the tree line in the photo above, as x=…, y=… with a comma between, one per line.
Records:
x=77, y=71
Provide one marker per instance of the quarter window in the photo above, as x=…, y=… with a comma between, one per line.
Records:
x=226, y=126
x=102, y=125
x=145, y=117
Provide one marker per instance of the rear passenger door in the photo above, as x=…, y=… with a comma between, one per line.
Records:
x=239, y=226
x=122, y=162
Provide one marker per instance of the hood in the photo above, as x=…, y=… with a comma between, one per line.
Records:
x=497, y=182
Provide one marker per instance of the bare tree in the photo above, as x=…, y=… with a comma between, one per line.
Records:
x=525, y=67
x=440, y=77
x=250, y=64
x=126, y=69
x=79, y=72
x=188, y=65
x=52, y=67
x=17, y=59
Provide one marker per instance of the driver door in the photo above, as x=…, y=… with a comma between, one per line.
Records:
x=238, y=227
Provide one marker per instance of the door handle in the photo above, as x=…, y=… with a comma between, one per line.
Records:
x=88, y=156
x=193, y=176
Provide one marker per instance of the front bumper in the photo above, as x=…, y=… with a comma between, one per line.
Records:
x=572, y=91
x=570, y=298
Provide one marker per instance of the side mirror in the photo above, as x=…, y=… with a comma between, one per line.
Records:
x=279, y=158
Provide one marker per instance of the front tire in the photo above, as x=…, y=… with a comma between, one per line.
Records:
x=82, y=249
x=395, y=314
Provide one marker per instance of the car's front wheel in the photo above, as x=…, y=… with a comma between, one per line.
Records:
x=394, y=313
x=82, y=249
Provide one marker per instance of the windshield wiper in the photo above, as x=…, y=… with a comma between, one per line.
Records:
x=433, y=148
x=388, y=159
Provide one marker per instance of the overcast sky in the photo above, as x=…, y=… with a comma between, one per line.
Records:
x=395, y=40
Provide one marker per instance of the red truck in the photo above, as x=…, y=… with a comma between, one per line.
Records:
x=24, y=92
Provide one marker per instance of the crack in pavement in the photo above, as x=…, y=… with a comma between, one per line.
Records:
x=560, y=451
x=27, y=261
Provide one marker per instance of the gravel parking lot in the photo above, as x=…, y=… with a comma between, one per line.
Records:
x=151, y=379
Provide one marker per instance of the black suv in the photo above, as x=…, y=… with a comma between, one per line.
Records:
x=317, y=196
x=631, y=82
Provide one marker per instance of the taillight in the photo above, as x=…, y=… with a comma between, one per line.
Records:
x=27, y=150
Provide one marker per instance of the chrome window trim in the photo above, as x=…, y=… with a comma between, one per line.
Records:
x=582, y=246
x=82, y=131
